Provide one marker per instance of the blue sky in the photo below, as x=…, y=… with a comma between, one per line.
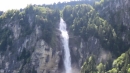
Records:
x=17, y=4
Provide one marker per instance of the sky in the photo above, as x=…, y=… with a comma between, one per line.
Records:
x=17, y=4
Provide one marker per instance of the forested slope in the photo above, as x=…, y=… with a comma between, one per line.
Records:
x=109, y=26
x=99, y=37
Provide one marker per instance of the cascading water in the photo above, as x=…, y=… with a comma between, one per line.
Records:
x=65, y=38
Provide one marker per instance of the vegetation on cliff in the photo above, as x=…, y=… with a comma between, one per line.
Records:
x=28, y=18
x=83, y=20
x=119, y=65
x=86, y=21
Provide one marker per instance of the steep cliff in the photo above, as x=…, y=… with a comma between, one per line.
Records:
x=99, y=38
x=29, y=41
x=103, y=30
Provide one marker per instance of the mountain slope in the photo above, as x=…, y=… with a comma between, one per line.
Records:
x=98, y=37
x=28, y=40
x=101, y=22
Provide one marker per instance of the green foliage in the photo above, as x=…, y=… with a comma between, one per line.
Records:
x=60, y=5
x=128, y=71
x=47, y=19
x=114, y=70
x=8, y=16
x=98, y=4
x=119, y=62
x=114, y=17
x=100, y=68
x=120, y=65
x=31, y=16
x=84, y=21
x=89, y=66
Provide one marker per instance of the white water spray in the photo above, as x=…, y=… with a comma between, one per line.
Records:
x=65, y=38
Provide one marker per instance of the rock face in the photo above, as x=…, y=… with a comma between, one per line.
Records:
x=30, y=53
x=43, y=57
x=117, y=12
x=80, y=50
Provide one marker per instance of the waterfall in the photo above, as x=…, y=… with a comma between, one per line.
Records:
x=65, y=41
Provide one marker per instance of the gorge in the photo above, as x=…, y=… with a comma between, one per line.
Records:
x=85, y=36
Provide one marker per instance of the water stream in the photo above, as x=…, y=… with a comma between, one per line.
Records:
x=65, y=41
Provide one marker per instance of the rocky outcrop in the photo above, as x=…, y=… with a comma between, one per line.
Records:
x=119, y=9
x=29, y=53
x=116, y=12
x=43, y=60
x=81, y=50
